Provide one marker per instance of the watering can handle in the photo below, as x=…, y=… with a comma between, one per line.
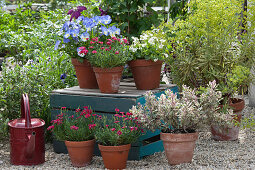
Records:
x=25, y=110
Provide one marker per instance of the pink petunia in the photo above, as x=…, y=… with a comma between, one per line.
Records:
x=50, y=127
x=117, y=52
x=94, y=51
x=113, y=129
x=117, y=110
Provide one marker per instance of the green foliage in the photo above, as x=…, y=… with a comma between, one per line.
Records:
x=78, y=127
x=206, y=45
x=248, y=122
x=129, y=14
x=120, y=130
x=37, y=78
x=3, y=126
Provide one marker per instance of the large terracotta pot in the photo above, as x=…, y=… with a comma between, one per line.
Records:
x=146, y=73
x=80, y=153
x=179, y=148
x=108, y=79
x=229, y=133
x=85, y=74
x=115, y=157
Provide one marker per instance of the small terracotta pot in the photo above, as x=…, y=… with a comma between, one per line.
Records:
x=229, y=133
x=115, y=157
x=146, y=73
x=108, y=79
x=179, y=148
x=80, y=153
x=85, y=74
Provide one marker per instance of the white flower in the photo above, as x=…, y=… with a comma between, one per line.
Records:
x=166, y=55
x=162, y=40
x=144, y=37
x=133, y=49
x=151, y=41
x=143, y=45
x=160, y=46
x=155, y=60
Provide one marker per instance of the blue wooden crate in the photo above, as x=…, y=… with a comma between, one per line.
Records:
x=105, y=104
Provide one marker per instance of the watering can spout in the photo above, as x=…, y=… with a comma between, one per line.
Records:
x=30, y=145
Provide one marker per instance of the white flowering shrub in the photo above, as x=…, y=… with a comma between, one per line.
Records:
x=151, y=45
x=195, y=109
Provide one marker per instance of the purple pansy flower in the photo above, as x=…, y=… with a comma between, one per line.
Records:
x=102, y=11
x=76, y=12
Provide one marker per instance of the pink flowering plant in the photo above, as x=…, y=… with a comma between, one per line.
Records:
x=195, y=109
x=121, y=129
x=78, y=127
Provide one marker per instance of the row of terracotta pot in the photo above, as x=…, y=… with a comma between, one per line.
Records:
x=146, y=74
x=81, y=153
x=179, y=148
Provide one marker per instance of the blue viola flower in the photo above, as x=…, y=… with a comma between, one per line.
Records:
x=105, y=31
x=84, y=36
x=97, y=20
x=67, y=34
x=117, y=31
x=106, y=19
x=56, y=45
x=75, y=26
x=66, y=25
x=75, y=33
x=63, y=76
x=76, y=39
x=80, y=18
x=89, y=23
x=112, y=31
x=66, y=40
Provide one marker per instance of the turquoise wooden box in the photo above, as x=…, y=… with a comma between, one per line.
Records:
x=105, y=104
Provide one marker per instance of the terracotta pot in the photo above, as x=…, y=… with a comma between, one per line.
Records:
x=80, y=153
x=85, y=74
x=179, y=148
x=229, y=133
x=115, y=157
x=146, y=73
x=108, y=79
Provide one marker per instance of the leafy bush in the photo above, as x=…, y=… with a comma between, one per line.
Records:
x=37, y=78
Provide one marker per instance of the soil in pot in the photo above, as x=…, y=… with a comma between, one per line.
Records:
x=115, y=157
x=229, y=133
x=80, y=153
x=179, y=148
x=146, y=73
x=108, y=79
x=85, y=74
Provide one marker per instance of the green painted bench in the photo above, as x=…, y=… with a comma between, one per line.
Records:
x=105, y=104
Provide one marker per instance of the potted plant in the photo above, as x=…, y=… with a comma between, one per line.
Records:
x=210, y=47
x=81, y=31
x=78, y=133
x=147, y=54
x=180, y=119
x=114, y=139
x=108, y=57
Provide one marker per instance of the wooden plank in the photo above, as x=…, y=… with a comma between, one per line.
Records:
x=127, y=90
x=98, y=104
x=151, y=148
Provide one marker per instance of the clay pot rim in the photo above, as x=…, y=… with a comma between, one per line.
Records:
x=76, y=62
x=79, y=143
x=114, y=148
x=114, y=69
x=238, y=106
x=143, y=62
x=179, y=137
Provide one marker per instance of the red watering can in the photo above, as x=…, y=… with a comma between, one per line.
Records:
x=27, y=137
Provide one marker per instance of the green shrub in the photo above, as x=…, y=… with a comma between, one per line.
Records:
x=37, y=78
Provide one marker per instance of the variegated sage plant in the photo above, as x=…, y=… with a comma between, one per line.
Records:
x=195, y=109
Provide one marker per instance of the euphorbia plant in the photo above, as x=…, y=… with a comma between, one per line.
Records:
x=78, y=127
x=122, y=129
x=184, y=115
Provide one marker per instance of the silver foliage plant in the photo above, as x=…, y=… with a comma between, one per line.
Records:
x=195, y=109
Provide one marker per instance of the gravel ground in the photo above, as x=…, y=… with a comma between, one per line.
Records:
x=209, y=154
